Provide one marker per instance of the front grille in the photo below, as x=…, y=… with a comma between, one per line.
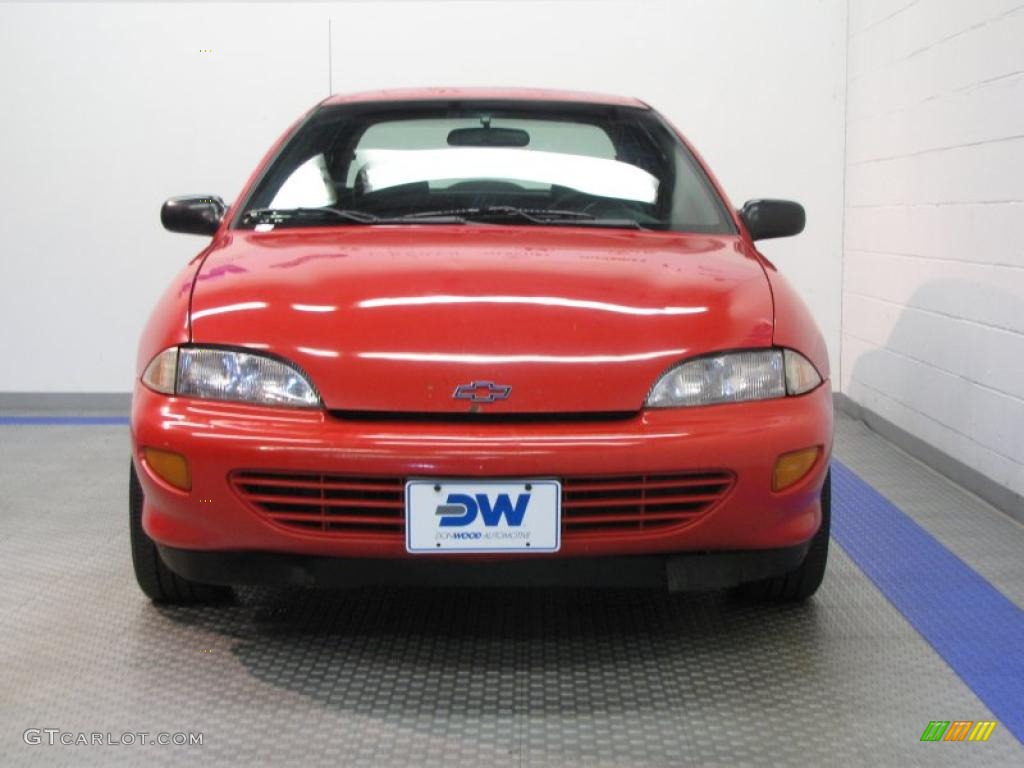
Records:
x=338, y=504
x=484, y=417
x=326, y=503
x=639, y=501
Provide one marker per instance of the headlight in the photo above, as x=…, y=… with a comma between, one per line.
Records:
x=161, y=371
x=226, y=374
x=801, y=376
x=734, y=377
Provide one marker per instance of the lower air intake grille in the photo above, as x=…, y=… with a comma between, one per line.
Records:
x=327, y=503
x=639, y=501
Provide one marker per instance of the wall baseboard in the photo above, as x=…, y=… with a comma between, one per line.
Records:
x=54, y=403
x=999, y=496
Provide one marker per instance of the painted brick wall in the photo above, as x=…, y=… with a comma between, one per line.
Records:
x=933, y=269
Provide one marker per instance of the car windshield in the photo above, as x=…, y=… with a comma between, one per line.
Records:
x=528, y=163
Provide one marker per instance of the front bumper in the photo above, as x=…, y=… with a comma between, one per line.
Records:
x=686, y=572
x=219, y=438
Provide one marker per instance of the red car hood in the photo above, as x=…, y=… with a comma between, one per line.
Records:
x=397, y=318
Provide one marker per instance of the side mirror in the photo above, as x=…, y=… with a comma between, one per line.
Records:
x=773, y=218
x=193, y=214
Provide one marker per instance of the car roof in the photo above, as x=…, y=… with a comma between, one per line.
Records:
x=484, y=94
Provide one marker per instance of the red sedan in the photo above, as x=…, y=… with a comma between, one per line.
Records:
x=479, y=336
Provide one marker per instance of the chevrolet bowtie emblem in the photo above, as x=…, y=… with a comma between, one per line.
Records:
x=482, y=392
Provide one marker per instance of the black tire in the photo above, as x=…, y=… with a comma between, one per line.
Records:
x=157, y=581
x=802, y=582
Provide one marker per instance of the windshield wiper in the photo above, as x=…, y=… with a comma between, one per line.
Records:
x=281, y=215
x=449, y=216
x=536, y=215
x=532, y=215
x=278, y=215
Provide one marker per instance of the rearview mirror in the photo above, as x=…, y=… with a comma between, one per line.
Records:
x=193, y=214
x=488, y=137
x=765, y=219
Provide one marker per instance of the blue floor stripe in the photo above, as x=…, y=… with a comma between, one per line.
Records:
x=972, y=625
x=60, y=421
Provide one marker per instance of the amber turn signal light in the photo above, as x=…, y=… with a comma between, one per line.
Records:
x=793, y=466
x=170, y=467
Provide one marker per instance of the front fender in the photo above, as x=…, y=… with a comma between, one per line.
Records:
x=794, y=325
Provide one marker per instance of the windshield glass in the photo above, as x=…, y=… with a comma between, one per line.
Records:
x=528, y=163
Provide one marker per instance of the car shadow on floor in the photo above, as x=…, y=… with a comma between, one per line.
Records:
x=417, y=652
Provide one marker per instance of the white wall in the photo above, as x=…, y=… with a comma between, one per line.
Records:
x=933, y=287
x=109, y=108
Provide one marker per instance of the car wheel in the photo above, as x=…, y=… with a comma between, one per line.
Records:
x=803, y=581
x=157, y=581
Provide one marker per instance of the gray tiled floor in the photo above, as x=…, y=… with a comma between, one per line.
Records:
x=983, y=537
x=409, y=677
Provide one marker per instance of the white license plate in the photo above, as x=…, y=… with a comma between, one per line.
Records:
x=444, y=516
